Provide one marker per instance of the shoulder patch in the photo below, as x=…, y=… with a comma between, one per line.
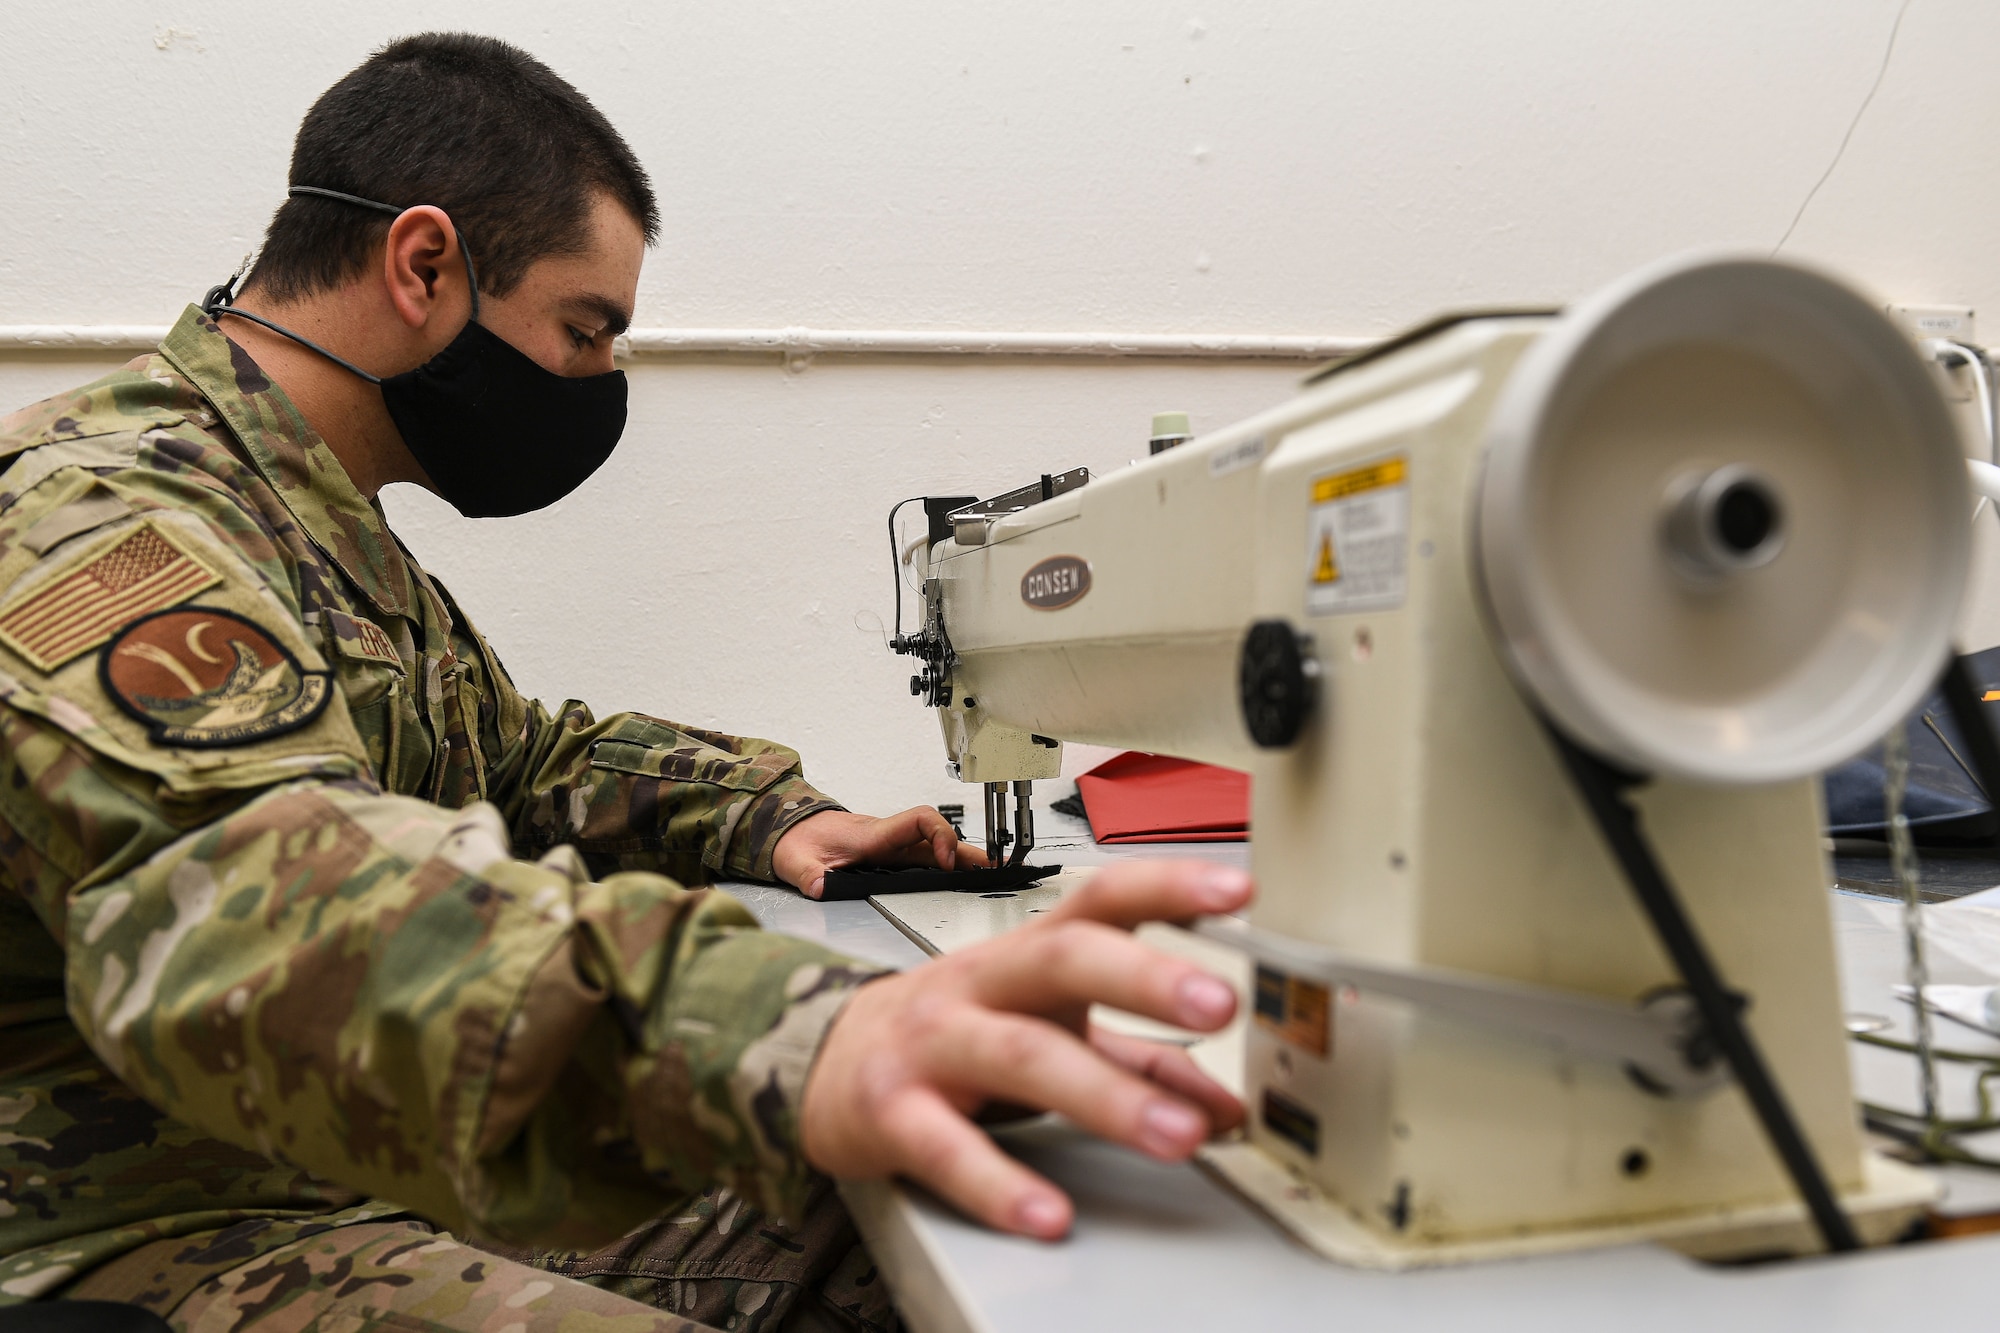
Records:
x=200, y=678
x=142, y=571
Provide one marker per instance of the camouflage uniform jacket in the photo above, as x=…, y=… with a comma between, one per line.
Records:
x=347, y=926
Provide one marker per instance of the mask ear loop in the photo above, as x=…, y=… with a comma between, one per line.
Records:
x=471, y=278
x=465, y=251
x=217, y=304
x=220, y=300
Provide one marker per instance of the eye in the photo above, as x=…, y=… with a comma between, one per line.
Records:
x=580, y=339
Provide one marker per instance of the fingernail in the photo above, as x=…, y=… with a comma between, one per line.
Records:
x=1170, y=1129
x=1042, y=1215
x=1222, y=887
x=1204, y=1001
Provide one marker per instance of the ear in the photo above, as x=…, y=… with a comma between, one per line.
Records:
x=422, y=269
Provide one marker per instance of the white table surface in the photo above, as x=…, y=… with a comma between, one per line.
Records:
x=1165, y=1247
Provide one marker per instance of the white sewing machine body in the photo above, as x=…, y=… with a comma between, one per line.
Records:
x=1421, y=818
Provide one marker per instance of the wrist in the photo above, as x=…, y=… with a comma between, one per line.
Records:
x=827, y=1088
x=772, y=816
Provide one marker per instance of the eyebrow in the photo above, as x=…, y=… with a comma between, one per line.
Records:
x=616, y=318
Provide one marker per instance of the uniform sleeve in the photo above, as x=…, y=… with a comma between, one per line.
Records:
x=635, y=792
x=632, y=792
x=370, y=987
x=373, y=989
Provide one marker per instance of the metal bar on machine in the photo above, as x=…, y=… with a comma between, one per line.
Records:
x=1654, y=1040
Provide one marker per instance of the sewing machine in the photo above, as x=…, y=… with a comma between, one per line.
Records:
x=1533, y=629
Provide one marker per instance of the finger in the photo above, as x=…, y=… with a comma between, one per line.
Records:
x=1173, y=1069
x=931, y=826
x=933, y=836
x=1039, y=1064
x=1077, y=963
x=890, y=834
x=916, y=836
x=1132, y=892
x=943, y=1151
x=944, y=844
x=945, y=852
x=916, y=854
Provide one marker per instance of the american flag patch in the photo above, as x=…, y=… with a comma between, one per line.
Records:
x=145, y=570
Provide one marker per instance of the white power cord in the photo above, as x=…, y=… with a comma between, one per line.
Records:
x=1985, y=480
x=1949, y=352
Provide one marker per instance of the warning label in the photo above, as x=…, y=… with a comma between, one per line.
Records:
x=1299, y=1011
x=1358, y=539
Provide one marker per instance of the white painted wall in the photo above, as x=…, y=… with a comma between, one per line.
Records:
x=1263, y=166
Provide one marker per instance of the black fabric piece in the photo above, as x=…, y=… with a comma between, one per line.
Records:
x=847, y=885
x=497, y=433
x=1946, y=803
x=80, y=1317
x=1071, y=805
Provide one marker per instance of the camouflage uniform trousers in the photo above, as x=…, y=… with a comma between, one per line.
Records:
x=716, y=1263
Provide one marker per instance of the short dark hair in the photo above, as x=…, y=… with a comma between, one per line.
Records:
x=471, y=124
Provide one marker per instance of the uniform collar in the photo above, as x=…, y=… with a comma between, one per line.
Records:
x=294, y=459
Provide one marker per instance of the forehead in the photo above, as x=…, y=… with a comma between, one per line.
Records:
x=614, y=228
x=606, y=261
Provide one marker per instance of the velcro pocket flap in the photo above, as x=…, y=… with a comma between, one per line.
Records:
x=359, y=640
x=96, y=506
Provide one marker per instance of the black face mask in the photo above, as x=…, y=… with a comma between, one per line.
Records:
x=497, y=433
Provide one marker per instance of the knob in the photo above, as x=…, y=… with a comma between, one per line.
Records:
x=1277, y=681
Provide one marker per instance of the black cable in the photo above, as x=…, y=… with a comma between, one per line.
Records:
x=1602, y=787
x=896, y=568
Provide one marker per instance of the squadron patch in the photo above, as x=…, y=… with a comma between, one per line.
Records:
x=142, y=571
x=203, y=678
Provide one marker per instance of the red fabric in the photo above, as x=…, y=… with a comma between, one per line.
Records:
x=1150, y=798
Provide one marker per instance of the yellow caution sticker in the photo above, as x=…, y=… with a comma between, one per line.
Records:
x=1326, y=569
x=1392, y=472
x=1358, y=538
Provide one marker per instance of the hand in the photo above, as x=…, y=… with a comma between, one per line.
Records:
x=914, y=1055
x=832, y=839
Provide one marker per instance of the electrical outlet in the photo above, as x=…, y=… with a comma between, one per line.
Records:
x=1935, y=321
x=1952, y=322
